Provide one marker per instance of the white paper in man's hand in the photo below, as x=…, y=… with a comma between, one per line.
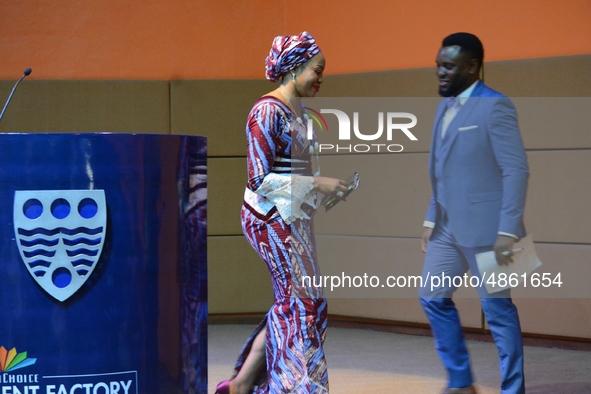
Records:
x=525, y=261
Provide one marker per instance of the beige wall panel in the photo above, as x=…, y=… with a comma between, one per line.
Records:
x=381, y=257
x=217, y=110
x=554, y=122
x=563, y=316
x=395, y=190
x=565, y=271
x=545, y=310
x=545, y=124
x=420, y=82
x=238, y=280
x=88, y=106
x=401, y=309
x=548, y=123
x=548, y=315
x=557, y=207
x=538, y=315
x=226, y=179
x=392, y=198
x=370, y=112
x=564, y=76
x=573, y=262
x=395, y=309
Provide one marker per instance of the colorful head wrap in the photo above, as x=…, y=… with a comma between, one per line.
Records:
x=288, y=52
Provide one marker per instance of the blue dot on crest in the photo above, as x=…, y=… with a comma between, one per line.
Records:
x=32, y=209
x=60, y=208
x=61, y=277
x=87, y=208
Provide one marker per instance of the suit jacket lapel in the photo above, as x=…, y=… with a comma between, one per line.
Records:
x=436, y=133
x=459, y=119
x=464, y=113
x=452, y=129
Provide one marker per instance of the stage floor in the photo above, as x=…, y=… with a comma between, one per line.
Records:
x=366, y=362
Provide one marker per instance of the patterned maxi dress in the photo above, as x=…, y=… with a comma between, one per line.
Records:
x=277, y=221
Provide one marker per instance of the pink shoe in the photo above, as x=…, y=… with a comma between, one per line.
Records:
x=223, y=387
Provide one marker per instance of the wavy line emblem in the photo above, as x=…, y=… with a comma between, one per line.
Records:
x=60, y=236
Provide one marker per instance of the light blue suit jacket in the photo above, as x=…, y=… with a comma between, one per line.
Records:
x=485, y=172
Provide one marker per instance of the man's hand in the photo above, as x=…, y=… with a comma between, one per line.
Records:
x=425, y=238
x=504, y=249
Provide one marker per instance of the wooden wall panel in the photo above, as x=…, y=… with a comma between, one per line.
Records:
x=401, y=309
x=552, y=95
x=395, y=190
x=226, y=180
x=545, y=122
x=382, y=257
x=563, y=76
x=419, y=82
x=558, y=316
x=553, y=123
x=216, y=109
x=87, y=106
x=392, y=198
x=557, y=207
x=238, y=281
x=364, y=115
x=561, y=316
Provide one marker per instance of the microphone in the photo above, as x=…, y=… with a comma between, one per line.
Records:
x=25, y=73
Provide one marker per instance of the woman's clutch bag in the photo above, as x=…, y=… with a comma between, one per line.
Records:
x=352, y=184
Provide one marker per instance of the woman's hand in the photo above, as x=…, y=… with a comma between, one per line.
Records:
x=330, y=186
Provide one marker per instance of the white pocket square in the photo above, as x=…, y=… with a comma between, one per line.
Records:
x=467, y=128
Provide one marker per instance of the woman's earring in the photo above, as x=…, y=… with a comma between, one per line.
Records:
x=293, y=76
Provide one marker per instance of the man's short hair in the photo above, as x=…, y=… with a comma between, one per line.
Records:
x=469, y=43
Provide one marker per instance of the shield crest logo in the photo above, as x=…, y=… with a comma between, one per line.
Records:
x=60, y=236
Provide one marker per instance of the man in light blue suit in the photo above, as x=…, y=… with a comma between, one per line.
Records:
x=478, y=169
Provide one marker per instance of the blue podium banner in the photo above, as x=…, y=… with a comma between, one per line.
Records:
x=104, y=270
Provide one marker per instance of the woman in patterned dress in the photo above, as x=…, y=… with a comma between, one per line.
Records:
x=284, y=354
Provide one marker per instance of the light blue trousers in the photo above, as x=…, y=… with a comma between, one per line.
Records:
x=445, y=256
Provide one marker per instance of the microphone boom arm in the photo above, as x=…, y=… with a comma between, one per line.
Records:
x=27, y=72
